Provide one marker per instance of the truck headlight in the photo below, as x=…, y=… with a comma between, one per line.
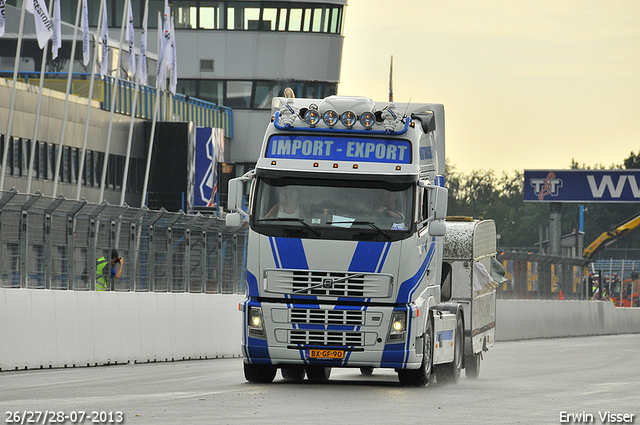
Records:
x=255, y=322
x=398, y=326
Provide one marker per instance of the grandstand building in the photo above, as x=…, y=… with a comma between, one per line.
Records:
x=233, y=58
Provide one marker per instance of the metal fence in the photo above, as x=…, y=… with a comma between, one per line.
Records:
x=54, y=243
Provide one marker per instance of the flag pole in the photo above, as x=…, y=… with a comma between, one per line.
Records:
x=65, y=114
x=72, y=58
x=87, y=120
x=38, y=111
x=16, y=66
x=153, y=130
x=130, y=34
x=115, y=94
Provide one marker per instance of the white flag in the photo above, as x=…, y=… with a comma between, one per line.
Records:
x=86, y=55
x=165, y=49
x=174, y=62
x=142, y=59
x=130, y=37
x=44, y=26
x=56, y=40
x=104, y=40
x=2, y=14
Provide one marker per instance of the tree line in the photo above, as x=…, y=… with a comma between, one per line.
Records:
x=485, y=194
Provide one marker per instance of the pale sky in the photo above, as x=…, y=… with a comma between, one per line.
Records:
x=525, y=85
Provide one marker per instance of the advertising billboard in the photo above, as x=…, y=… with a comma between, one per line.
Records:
x=582, y=186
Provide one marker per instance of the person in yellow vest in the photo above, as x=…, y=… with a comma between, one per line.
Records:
x=106, y=268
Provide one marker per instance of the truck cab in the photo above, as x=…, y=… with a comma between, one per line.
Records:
x=346, y=215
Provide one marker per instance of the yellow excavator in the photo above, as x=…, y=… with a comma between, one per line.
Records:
x=611, y=236
x=627, y=294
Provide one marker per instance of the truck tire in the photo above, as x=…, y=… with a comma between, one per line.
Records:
x=259, y=373
x=420, y=377
x=450, y=372
x=367, y=370
x=318, y=373
x=472, y=366
x=293, y=373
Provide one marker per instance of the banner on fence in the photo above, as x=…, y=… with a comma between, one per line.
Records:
x=209, y=153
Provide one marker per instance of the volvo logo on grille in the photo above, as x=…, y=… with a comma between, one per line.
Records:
x=327, y=283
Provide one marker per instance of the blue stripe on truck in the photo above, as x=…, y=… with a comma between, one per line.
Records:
x=291, y=253
x=366, y=257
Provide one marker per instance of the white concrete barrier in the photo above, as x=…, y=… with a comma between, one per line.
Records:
x=45, y=328
x=529, y=319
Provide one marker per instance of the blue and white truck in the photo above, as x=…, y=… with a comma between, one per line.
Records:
x=346, y=263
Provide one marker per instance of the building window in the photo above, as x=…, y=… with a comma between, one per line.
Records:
x=75, y=162
x=88, y=175
x=65, y=168
x=295, y=19
x=264, y=92
x=210, y=15
x=238, y=94
x=186, y=14
x=211, y=91
x=98, y=158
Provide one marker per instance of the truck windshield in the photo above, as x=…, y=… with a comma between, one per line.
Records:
x=335, y=209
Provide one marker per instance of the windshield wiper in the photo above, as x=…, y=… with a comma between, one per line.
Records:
x=362, y=223
x=296, y=219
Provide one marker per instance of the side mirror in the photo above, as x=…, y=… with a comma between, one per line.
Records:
x=440, y=200
x=233, y=220
x=236, y=191
x=437, y=228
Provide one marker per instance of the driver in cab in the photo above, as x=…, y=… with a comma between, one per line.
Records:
x=288, y=205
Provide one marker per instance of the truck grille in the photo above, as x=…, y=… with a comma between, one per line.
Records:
x=327, y=317
x=329, y=284
x=322, y=337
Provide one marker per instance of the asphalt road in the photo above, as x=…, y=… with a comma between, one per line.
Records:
x=522, y=382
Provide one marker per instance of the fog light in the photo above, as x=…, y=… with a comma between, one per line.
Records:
x=330, y=117
x=348, y=119
x=367, y=120
x=312, y=117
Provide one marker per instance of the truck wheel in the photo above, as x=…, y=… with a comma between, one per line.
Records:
x=420, y=377
x=318, y=373
x=450, y=372
x=367, y=370
x=472, y=366
x=259, y=373
x=294, y=373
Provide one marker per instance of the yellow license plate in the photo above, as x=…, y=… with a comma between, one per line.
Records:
x=325, y=354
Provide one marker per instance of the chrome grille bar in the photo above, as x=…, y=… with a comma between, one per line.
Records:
x=327, y=317
x=328, y=284
x=326, y=338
